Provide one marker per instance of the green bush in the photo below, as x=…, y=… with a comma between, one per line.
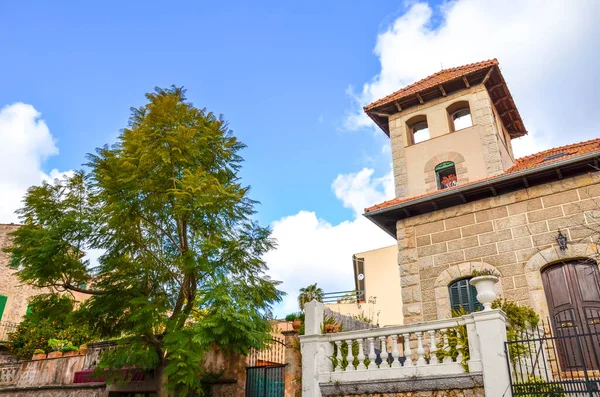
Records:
x=51, y=316
x=69, y=348
x=292, y=317
x=533, y=387
x=39, y=351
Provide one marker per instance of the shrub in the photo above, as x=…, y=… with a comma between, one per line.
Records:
x=69, y=348
x=292, y=317
x=484, y=272
x=39, y=351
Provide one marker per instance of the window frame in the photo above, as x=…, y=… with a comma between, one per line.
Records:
x=413, y=123
x=455, y=108
x=472, y=302
x=444, y=166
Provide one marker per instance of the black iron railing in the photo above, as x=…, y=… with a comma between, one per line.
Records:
x=352, y=296
x=564, y=363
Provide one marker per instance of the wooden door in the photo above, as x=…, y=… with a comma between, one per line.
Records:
x=573, y=295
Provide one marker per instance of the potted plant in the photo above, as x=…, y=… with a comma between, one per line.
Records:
x=69, y=350
x=296, y=321
x=483, y=281
x=83, y=349
x=56, y=345
x=38, y=354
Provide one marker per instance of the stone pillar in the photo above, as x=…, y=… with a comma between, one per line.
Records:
x=490, y=329
x=311, y=362
x=293, y=362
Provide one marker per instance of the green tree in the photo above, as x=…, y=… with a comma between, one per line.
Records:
x=308, y=294
x=182, y=269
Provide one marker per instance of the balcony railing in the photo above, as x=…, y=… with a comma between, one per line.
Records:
x=5, y=329
x=353, y=296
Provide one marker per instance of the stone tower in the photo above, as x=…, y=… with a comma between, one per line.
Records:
x=450, y=128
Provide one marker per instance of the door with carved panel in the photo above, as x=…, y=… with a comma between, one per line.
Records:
x=573, y=295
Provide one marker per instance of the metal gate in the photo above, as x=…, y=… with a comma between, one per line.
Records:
x=265, y=381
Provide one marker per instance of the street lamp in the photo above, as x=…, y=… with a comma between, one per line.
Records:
x=562, y=241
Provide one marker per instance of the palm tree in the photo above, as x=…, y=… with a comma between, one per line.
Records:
x=312, y=292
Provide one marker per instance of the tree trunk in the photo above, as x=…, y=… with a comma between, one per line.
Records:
x=161, y=379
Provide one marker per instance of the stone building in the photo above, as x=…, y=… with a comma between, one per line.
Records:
x=463, y=202
x=14, y=295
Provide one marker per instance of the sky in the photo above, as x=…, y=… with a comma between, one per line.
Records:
x=291, y=78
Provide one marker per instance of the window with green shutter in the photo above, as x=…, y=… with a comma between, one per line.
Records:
x=3, y=300
x=463, y=294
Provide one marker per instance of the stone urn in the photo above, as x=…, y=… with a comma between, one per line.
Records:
x=83, y=350
x=55, y=354
x=485, y=290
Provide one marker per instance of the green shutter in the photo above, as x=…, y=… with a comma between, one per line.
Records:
x=3, y=300
x=464, y=295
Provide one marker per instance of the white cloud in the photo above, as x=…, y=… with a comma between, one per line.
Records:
x=26, y=144
x=312, y=250
x=547, y=51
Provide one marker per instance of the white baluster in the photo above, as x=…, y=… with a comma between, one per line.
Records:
x=420, y=349
x=447, y=358
x=372, y=355
x=432, y=348
x=383, y=355
x=407, y=351
x=350, y=357
x=338, y=356
x=361, y=356
x=395, y=352
x=459, y=357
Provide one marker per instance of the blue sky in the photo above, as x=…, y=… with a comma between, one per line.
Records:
x=277, y=71
x=291, y=78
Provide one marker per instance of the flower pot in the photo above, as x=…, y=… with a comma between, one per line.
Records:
x=485, y=290
x=83, y=350
x=296, y=324
x=39, y=356
x=55, y=354
x=71, y=353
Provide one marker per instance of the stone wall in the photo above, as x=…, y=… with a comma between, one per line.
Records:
x=512, y=233
x=348, y=323
x=82, y=390
x=478, y=392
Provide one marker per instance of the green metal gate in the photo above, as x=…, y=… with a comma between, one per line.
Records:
x=265, y=381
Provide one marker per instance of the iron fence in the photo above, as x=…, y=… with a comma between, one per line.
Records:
x=265, y=381
x=559, y=364
x=5, y=329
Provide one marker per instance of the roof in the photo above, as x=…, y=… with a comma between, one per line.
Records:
x=524, y=163
x=448, y=81
x=443, y=76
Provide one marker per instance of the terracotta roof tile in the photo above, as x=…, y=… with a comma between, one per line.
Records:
x=521, y=164
x=431, y=81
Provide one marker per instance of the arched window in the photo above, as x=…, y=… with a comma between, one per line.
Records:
x=445, y=174
x=418, y=129
x=460, y=115
x=464, y=295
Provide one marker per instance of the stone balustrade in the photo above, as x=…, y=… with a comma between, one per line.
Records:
x=403, y=353
x=8, y=374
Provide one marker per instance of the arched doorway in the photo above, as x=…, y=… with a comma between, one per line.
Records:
x=573, y=294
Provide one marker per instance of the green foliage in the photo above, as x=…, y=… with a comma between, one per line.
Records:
x=361, y=317
x=183, y=264
x=484, y=272
x=538, y=387
x=307, y=294
x=39, y=351
x=51, y=316
x=519, y=318
x=57, y=344
x=292, y=317
x=69, y=348
x=458, y=342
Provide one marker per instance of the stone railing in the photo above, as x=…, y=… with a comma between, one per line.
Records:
x=95, y=350
x=8, y=374
x=402, y=353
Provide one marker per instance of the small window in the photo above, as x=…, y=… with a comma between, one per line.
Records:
x=420, y=132
x=464, y=295
x=445, y=174
x=462, y=119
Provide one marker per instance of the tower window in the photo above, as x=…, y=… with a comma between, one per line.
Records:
x=420, y=132
x=459, y=114
x=445, y=174
x=463, y=295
